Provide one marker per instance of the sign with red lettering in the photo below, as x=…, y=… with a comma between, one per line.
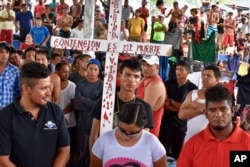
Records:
x=111, y=46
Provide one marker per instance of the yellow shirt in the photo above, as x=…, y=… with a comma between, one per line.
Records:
x=6, y=25
x=136, y=26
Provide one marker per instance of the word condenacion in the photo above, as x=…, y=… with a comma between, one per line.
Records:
x=239, y=158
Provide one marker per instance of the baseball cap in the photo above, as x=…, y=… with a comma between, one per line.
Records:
x=3, y=45
x=151, y=59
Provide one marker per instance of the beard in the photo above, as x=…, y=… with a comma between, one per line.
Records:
x=219, y=127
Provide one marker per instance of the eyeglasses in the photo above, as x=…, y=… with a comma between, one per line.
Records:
x=129, y=134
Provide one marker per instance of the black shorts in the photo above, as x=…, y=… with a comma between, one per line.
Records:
x=64, y=34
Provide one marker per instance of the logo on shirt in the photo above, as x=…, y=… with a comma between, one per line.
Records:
x=50, y=125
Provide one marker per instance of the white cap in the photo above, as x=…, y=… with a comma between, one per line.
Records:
x=151, y=59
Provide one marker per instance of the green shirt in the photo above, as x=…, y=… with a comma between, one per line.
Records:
x=158, y=35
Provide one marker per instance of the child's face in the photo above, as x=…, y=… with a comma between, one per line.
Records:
x=29, y=38
x=248, y=38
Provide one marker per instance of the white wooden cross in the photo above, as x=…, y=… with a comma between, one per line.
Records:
x=113, y=46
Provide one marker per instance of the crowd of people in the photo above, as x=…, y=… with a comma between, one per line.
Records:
x=51, y=99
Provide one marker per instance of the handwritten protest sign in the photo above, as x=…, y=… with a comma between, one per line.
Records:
x=112, y=46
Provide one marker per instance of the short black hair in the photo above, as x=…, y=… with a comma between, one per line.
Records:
x=20, y=52
x=60, y=64
x=82, y=56
x=79, y=57
x=214, y=6
x=80, y=21
x=159, y=2
x=131, y=63
x=43, y=50
x=31, y=72
x=12, y=50
x=195, y=10
x=54, y=55
x=27, y=50
x=218, y=93
x=133, y=113
x=185, y=64
x=215, y=69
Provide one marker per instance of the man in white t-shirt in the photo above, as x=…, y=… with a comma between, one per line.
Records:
x=7, y=17
x=234, y=10
x=192, y=109
x=67, y=104
x=78, y=31
x=243, y=26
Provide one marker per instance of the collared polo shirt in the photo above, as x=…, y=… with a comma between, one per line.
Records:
x=204, y=150
x=31, y=142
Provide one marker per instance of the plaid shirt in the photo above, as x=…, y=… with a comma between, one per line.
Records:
x=9, y=85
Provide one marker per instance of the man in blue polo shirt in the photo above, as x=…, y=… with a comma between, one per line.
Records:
x=23, y=22
x=33, y=132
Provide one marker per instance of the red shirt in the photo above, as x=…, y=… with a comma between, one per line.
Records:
x=204, y=150
x=144, y=10
x=24, y=46
x=39, y=10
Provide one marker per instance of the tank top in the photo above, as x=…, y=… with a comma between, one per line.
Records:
x=197, y=123
x=157, y=114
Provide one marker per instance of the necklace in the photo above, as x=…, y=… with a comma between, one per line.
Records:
x=118, y=102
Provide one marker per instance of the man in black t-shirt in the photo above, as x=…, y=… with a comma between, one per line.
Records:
x=130, y=76
x=173, y=130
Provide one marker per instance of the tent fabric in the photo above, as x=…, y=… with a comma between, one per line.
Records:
x=163, y=71
x=205, y=49
x=174, y=38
